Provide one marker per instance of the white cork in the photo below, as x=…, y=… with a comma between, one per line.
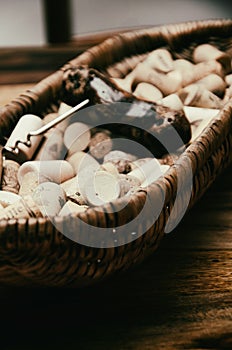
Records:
x=100, y=144
x=201, y=70
x=8, y=198
x=101, y=189
x=147, y=92
x=207, y=99
x=50, y=198
x=77, y=137
x=110, y=168
x=52, y=147
x=147, y=172
x=72, y=190
x=29, y=183
x=182, y=65
x=63, y=108
x=51, y=170
x=172, y=101
x=200, y=127
x=206, y=52
x=72, y=208
x=26, y=123
x=165, y=82
x=194, y=114
x=81, y=160
x=120, y=159
x=199, y=118
x=213, y=83
x=160, y=59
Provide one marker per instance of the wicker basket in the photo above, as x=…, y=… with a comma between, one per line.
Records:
x=34, y=252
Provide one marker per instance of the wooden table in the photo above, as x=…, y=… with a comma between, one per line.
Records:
x=179, y=298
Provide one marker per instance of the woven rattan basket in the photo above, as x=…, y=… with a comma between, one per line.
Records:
x=34, y=252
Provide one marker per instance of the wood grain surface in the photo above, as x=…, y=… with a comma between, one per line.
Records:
x=179, y=298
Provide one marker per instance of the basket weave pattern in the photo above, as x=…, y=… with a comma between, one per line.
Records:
x=33, y=251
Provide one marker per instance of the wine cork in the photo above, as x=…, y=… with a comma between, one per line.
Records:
x=201, y=70
x=207, y=52
x=166, y=83
x=147, y=92
x=182, y=65
x=76, y=137
x=63, y=108
x=196, y=95
x=50, y=198
x=10, y=176
x=199, y=118
x=100, y=144
x=228, y=79
x=124, y=83
x=120, y=159
x=213, y=83
x=199, y=128
x=194, y=114
x=142, y=73
x=29, y=183
x=103, y=189
x=8, y=198
x=23, y=208
x=160, y=59
x=127, y=183
x=110, y=168
x=26, y=123
x=80, y=160
x=72, y=190
x=172, y=101
x=53, y=170
x=72, y=208
x=147, y=173
x=52, y=147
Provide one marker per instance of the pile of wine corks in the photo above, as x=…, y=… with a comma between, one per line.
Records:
x=201, y=87
x=74, y=167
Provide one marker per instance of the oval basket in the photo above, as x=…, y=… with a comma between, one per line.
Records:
x=34, y=252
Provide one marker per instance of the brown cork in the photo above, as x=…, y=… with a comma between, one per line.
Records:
x=9, y=176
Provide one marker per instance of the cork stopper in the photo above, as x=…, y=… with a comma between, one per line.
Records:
x=72, y=208
x=102, y=188
x=23, y=208
x=8, y=198
x=50, y=170
x=10, y=176
x=77, y=137
x=49, y=198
